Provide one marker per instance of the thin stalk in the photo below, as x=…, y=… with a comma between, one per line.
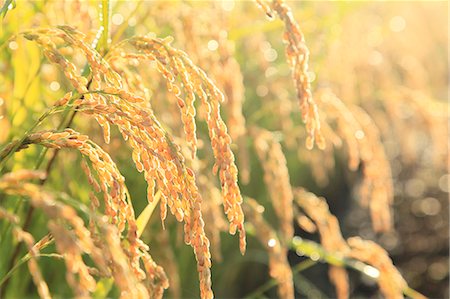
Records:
x=105, y=16
x=119, y=31
x=8, y=151
x=272, y=283
x=315, y=251
x=25, y=259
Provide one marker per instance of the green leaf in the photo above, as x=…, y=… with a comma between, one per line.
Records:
x=105, y=15
x=144, y=217
x=8, y=5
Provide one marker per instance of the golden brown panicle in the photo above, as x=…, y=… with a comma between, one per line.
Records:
x=330, y=235
x=297, y=54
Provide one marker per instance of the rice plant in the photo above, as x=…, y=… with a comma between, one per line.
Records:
x=269, y=135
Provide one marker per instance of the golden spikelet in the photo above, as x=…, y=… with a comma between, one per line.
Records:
x=154, y=153
x=297, y=55
x=112, y=183
x=172, y=62
x=159, y=158
x=330, y=235
x=102, y=244
x=43, y=38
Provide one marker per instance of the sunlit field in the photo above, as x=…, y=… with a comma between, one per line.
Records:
x=229, y=149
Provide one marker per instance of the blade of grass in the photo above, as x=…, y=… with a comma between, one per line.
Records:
x=25, y=259
x=145, y=215
x=272, y=283
x=105, y=16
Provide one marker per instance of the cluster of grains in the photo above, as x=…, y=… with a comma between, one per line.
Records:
x=55, y=41
x=210, y=28
x=217, y=58
x=173, y=63
x=297, y=55
x=390, y=281
x=154, y=153
x=357, y=129
x=276, y=178
x=330, y=235
x=159, y=158
x=104, y=246
x=111, y=183
x=33, y=249
x=279, y=266
x=49, y=41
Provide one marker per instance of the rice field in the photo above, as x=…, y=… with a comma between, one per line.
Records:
x=230, y=149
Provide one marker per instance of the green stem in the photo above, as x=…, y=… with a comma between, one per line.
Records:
x=10, y=150
x=105, y=19
x=317, y=252
x=272, y=283
x=23, y=260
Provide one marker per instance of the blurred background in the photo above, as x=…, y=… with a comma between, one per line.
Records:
x=389, y=58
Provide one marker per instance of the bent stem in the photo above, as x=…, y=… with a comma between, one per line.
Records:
x=12, y=147
x=26, y=258
x=316, y=253
x=272, y=283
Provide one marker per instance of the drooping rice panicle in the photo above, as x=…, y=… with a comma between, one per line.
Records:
x=330, y=236
x=103, y=246
x=172, y=63
x=297, y=54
